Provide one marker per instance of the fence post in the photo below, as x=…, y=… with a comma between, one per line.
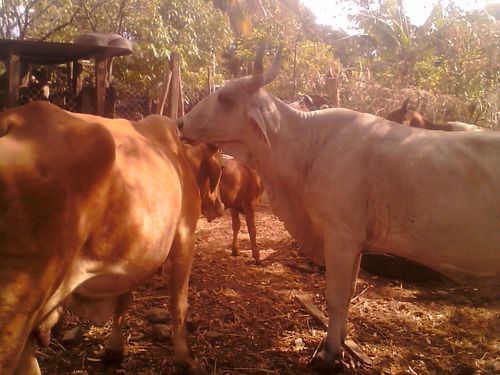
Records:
x=332, y=87
x=209, y=81
x=181, y=96
x=164, y=91
x=100, y=80
x=175, y=84
x=13, y=75
x=76, y=77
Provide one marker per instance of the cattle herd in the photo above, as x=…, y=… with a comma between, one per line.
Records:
x=91, y=207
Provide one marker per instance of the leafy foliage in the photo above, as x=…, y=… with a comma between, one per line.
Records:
x=454, y=53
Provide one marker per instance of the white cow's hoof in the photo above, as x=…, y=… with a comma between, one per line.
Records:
x=321, y=365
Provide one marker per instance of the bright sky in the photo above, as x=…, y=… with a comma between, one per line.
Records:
x=329, y=12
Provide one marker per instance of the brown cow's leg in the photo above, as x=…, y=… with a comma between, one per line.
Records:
x=252, y=232
x=28, y=365
x=115, y=343
x=181, y=258
x=45, y=328
x=235, y=218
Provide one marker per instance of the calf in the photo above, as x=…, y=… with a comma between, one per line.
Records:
x=204, y=161
x=241, y=190
x=89, y=208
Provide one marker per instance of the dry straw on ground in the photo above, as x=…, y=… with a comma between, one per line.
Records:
x=244, y=318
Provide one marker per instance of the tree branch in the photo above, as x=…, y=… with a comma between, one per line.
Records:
x=26, y=15
x=119, y=17
x=87, y=15
x=62, y=26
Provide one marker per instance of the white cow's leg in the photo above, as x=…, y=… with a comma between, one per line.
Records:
x=342, y=257
x=28, y=365
x=115, y=343
x=181, y=257
x=355, y=272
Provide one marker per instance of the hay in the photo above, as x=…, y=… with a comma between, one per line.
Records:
x=244, y=318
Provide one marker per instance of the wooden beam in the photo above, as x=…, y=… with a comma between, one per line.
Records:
x=175, y=67
x=13, y=76
x=100, y=85
x=348, y=344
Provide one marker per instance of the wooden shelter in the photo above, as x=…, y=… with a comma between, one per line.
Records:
x=91, y=46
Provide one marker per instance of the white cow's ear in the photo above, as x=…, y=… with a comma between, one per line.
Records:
x=259, y=124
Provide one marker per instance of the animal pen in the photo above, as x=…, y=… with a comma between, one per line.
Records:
x=248, y=319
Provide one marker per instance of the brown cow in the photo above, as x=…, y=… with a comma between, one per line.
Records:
x=241, y=190
x=89, y=208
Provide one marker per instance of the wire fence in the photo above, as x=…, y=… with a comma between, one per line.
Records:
x=127, y=101
x=122, y=99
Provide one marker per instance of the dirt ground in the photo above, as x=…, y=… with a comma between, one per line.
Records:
x=245, y=319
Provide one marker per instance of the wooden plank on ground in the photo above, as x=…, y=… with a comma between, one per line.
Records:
x=349, y=344
x=356, y=351
x=312, y=309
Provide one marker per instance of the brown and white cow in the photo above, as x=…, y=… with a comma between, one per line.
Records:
x=410, y=117
x=347, y=183
x=240, y=191
x=89, y=208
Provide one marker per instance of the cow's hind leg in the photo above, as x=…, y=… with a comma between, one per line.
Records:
x=181, y=258
x=28, y=365
x=342, y=257
x=252, y=232
x=115, y=343
x=235, y=219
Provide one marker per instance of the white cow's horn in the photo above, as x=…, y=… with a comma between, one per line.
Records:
x=273, y=71
x=257, y=79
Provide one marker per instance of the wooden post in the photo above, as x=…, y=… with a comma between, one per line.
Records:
x=100, y=85
x=76, y=77
x=332, y=87
x=181, y=96
x=13, y=75
x=209, y=81
x=164, y=91
x=175, y=66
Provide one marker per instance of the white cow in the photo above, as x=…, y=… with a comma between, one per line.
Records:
x=346, y=182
